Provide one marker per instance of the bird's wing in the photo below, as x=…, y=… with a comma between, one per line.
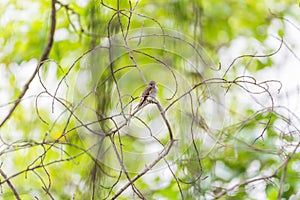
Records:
x=145, y=94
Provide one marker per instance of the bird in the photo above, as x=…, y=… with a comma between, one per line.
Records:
x=149, y=94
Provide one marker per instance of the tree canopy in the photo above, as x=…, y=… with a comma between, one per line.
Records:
x=224, y=124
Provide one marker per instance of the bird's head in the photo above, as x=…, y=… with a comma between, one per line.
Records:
x=152, y=83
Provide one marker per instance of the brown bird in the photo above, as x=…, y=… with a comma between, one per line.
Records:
x=148, y=94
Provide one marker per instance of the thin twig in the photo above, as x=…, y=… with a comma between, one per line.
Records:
x=42, y=60
x=13, y=189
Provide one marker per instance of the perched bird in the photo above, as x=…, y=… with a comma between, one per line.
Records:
x=148, y=94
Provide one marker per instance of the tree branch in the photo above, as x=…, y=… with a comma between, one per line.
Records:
x=10, y=185
x=43, y=58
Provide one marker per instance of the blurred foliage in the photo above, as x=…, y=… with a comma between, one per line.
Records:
x=48, y=150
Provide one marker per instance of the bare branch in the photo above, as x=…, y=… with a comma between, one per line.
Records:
x=10, y=185
x=40, y=63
